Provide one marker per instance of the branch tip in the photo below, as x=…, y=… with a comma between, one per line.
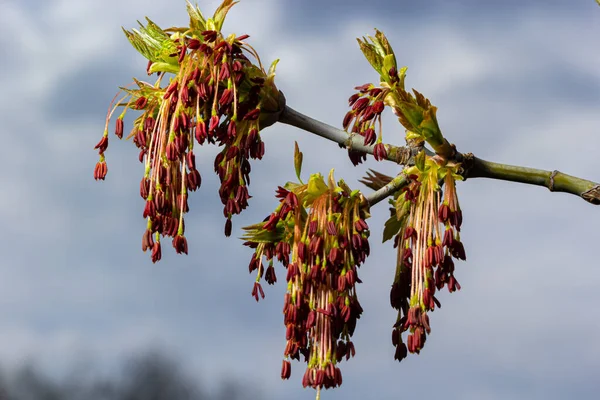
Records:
x=592, y=195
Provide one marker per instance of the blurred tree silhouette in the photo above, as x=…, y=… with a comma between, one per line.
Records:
x=150, y=376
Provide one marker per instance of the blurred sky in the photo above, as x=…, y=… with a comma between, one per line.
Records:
x=515, y=82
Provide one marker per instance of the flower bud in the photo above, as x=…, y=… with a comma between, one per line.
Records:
x=286, y=369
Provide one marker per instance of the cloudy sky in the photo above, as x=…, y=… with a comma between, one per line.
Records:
x=515, y=82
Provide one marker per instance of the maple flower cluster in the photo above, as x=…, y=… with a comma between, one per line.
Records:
x=425, y=223
x=216, y=95
x=318, y=232
x=427, y=241
x=366, y=108
x=413, y=110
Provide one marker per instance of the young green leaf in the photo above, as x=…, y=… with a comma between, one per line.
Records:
x=344, y=187
x=371, y=55
x=402, y=207
x=391, y=228
x=298, y=161
x=430, y=129
x=402, y=77
x=385, y=44
x=316, y=187
x=221, y=13
x=271, y=73
x=377, y=46
x=197, y=20
x=331, y=180
x=152, y=42
x=420, y=160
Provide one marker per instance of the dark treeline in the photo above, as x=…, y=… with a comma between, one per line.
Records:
x=152, y=376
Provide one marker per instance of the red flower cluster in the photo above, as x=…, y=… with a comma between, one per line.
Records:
x=321, y=248
x=366, y=108
x=215, y=97
x=425, y=260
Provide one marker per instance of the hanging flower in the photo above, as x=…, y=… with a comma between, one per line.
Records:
x=428, y=225
x=366, y=108
x=318, y=232
x=210, y=89
x=415, y=113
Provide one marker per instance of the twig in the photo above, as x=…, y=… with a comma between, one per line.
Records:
x=555, y=181
x=395, y=184
x=473, y=167
x=397, y=154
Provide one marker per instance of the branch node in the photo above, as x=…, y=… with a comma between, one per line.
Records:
x=270, y=117
x=348, y=144
x=403, y=155
x=468, y=159
x=592, y=195
x=552, y=176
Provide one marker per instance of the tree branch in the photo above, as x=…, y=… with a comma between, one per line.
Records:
x=555, y=181
x=474, y=167
x=395, y=184
x=397, y=154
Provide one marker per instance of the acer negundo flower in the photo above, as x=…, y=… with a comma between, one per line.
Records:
x=428, y=239
x=211, y=89
x=319, y=233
